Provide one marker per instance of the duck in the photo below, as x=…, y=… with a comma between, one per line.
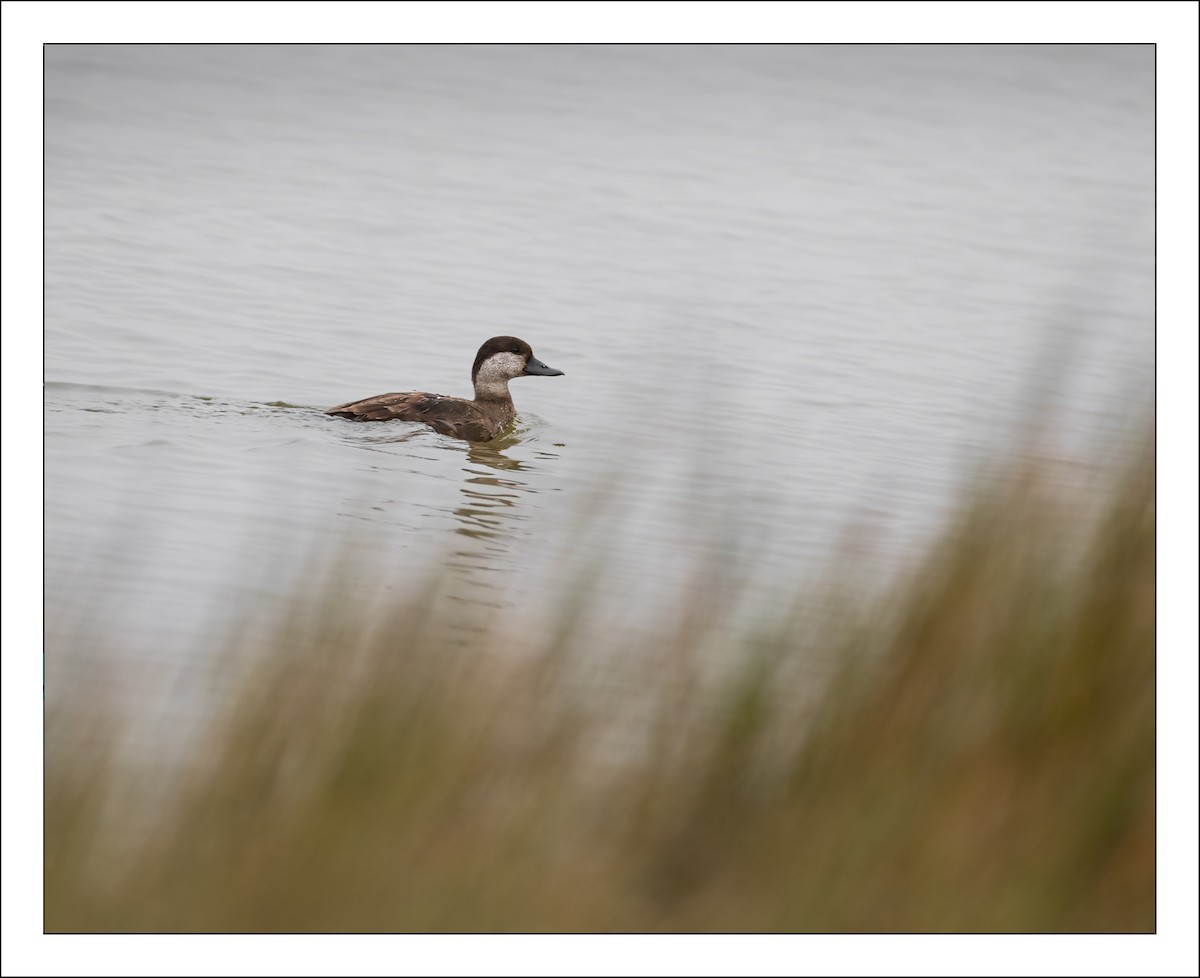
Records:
x=499, y=360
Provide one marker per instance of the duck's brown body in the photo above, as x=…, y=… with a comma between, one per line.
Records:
x=499, y=360
x=473, y=420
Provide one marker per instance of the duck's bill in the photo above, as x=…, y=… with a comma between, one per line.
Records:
x=539, y=369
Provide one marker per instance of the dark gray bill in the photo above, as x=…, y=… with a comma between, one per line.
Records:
x=535, y=366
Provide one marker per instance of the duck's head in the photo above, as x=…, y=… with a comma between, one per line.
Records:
x=501, y=359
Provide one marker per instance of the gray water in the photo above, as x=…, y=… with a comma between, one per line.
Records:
x=796, y=291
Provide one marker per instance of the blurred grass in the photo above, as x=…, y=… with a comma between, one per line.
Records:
x=973, y=751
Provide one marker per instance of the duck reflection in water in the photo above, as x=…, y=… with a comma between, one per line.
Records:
x=491, y=511
x=491, y=506
x=489, y=561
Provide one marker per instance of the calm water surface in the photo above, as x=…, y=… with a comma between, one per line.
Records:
x=793, y=289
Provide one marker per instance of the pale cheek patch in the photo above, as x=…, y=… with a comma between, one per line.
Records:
x=497, y=370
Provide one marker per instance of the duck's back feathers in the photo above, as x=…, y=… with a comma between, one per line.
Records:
x=473, y=420
x=384, y=407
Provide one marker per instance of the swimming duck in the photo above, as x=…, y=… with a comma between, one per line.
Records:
x=498, y=361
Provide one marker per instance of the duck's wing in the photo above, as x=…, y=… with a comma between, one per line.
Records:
x=448, y=415
x=409, y=406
